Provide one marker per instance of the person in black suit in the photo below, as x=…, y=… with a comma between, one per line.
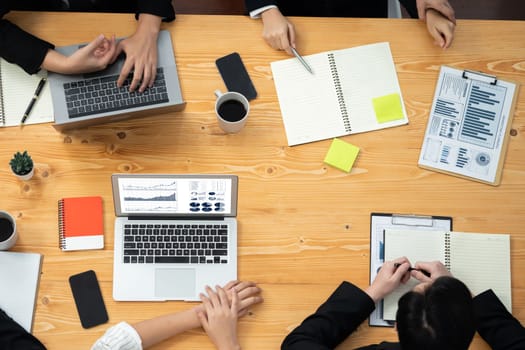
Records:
x=280, y=33
x=32, y=53
x=439, y=313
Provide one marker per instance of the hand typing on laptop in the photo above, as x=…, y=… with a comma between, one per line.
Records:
x=140, y=47
x=141, y=53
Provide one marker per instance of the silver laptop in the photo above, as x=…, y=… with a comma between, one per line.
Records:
x=174, y=234
x=94, y=98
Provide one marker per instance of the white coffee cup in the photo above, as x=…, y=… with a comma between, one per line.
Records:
x=232, y=110
x=8, y=235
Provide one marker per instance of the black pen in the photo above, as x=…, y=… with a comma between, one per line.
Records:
x=38, y=90
x=426, y=273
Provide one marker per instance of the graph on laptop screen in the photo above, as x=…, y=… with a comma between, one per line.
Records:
x=175, y=196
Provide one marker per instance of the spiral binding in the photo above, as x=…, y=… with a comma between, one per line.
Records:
x=339, y=92
x=61, y=228
x=447, y=250
x=2, y=115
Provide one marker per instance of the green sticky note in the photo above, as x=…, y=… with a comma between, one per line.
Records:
x=341, y=155
x=388, y=108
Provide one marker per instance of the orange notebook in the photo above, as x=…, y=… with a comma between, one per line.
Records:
x=80, y=223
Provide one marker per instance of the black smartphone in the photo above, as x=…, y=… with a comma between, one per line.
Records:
x=235, y=75
x=88, y=299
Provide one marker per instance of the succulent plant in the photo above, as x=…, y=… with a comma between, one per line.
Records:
x=21, y=163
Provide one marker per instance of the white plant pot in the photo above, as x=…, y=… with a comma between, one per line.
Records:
x=27, y=176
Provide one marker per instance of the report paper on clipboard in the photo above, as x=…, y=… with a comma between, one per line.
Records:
x=379, y=222
x=468, y=125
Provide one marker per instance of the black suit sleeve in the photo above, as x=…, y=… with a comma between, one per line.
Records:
x=333, y=322
x=496, y=325
x=410, y=6
x=161, y=8
x=20, y=47
x=257, y=4
x=15, y=337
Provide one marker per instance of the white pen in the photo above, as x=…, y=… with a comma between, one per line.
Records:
x=296, y=54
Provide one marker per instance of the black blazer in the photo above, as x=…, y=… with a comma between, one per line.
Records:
x=333, y=8
x=15, y=337
x=334, y=321
x=28, y=51
x=496, y=325
x=349, y=306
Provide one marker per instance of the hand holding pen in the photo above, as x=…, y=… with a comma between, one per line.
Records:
x=301, y=59
x=388, y=278
x=29, y=108
x=429, y=270
x=424, y=272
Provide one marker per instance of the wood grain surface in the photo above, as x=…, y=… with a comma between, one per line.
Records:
x=303, y=226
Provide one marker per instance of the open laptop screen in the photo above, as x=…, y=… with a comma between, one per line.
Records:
x=175, y=195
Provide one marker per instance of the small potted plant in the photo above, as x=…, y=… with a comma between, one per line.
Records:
x=22, y=165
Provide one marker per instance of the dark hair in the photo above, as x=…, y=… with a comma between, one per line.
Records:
x=441, y=317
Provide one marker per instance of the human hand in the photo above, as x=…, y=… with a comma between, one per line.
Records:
x=220, y=318
x=440, y=28
x=248, y=294
x=93, y=57
x=435, y=268
x=278, y=32
x=441, y=6
x=388, y=278
x=141, y=53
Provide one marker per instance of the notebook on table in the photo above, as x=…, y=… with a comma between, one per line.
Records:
x=379, y=222
x=16, y=91
x=82, y=100
x=350, y=91
x=20, y=277
x=480, y=260
x=174, y=234
x=80, y=223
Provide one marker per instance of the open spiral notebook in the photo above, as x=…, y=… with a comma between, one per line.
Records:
x=480, y=260
x=16, y=91
x=350, y=91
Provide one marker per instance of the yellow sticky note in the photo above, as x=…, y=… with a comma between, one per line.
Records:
x=388, y=108
x=341, y=155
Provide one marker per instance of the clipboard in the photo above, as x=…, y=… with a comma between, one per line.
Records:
x=468, y=126
x=381, y=221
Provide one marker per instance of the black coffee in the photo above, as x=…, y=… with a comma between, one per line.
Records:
x=232, y=110
x=6, y=229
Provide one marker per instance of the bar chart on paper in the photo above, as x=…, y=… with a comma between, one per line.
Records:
x=467, y=129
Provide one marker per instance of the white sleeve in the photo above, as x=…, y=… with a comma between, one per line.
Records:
x=121, y=336
x=257, y=13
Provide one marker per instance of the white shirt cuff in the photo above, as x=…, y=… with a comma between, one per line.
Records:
x=120, y=336
x=257, y=13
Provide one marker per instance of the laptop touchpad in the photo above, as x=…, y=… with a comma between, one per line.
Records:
x=175, y=283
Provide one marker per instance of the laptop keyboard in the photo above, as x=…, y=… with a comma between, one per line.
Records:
x=100, y=95
x=183, y=244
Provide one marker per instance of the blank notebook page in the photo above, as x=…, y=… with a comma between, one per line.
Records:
x=302, y=94
x=482, y=261
x=416, y=246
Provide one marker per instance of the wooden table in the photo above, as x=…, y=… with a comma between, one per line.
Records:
x=303, y=226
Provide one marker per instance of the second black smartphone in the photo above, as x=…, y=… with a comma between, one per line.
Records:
x=235, y=75
x=88, y=299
